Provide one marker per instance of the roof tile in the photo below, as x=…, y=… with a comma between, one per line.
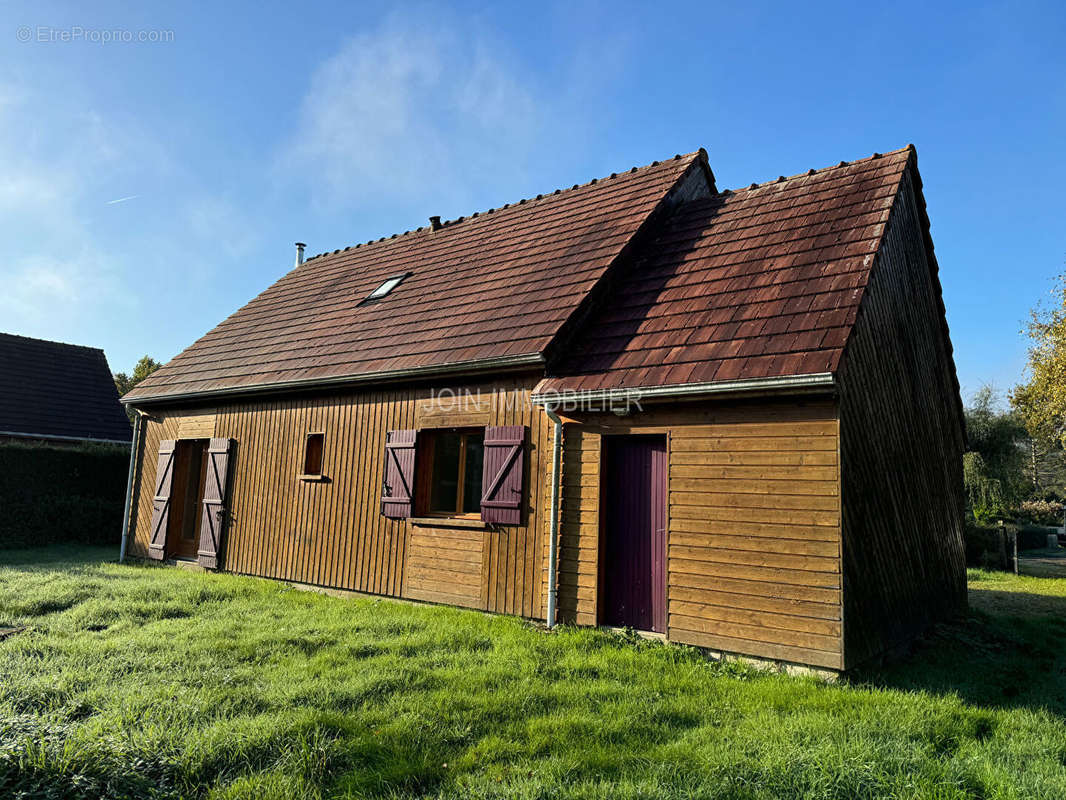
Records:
x=56, y=389
x=484, y=286
x=750, y=283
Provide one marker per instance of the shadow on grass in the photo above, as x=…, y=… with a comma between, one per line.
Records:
x=80, y=555
x=1010, y=652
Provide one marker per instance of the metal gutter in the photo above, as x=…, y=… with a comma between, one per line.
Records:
x=138, y=427
x=812, y=382
x=553, y=527
x=479, y=365
x=52, y=437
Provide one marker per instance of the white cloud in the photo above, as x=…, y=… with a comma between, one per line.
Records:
x=55, y=296
x=56, y=276
x=78, y=268
x=415, y=108
x=20, y=190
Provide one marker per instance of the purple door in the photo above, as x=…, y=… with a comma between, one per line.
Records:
x=634, y=532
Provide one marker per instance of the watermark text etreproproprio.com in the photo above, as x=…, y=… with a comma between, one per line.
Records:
x=50, y=34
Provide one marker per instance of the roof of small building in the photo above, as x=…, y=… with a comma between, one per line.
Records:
x=57, y=390
x=494, y=286
x=760, y=282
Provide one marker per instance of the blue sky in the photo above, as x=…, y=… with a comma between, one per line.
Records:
x=257, y=125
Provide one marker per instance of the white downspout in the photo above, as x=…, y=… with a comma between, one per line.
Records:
x=138, y=426
x=553, y=541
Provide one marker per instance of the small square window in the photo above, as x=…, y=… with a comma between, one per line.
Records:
x=386, y=287
x=313, y=453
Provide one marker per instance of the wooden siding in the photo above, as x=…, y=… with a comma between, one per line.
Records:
x=901, y=444
x=445, y=565
x=753, y=530
x=199, y=425
x=331, y=532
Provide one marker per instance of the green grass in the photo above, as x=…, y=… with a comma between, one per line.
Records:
x=140, y=681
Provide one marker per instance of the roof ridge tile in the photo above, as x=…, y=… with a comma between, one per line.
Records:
x=523, y=201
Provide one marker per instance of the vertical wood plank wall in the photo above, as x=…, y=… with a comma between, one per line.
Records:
x=753, y=532
x=332, y=533
x=901, y=447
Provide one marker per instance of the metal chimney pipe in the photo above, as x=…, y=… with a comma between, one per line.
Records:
x=299, y=253
x=434, y=223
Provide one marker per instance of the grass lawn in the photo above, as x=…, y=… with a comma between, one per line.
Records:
x=140, y=681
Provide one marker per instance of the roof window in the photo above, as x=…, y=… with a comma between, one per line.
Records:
x=387, y=286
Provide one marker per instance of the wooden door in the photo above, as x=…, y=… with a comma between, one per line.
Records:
x=218, y=457
x=633, y=545
x=187, y=494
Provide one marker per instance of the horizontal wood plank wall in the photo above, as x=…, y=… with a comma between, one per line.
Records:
x=901, y=445
x=445, y=565
x=753, y=526
x=196, y=425
x=331, y=532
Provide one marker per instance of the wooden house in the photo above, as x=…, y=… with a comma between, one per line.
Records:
x=727, y=417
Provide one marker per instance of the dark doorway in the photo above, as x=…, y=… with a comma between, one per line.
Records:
x=633, y=547
x=186, y=498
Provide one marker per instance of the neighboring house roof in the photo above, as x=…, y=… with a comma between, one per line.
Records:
x=757, y=283
x=494, y=287
x=57, y=390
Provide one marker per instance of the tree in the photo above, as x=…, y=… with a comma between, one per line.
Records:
x=1041, y=401
x=1046, y=466
x=141, y=370
x=994, y=471
x=984, y=494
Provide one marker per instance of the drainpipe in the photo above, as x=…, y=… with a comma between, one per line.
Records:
x=553, y=541
x=138, y=426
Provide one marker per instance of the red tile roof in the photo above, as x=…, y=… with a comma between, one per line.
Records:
x=496, y=285
x=52, y=389
x=756, y=283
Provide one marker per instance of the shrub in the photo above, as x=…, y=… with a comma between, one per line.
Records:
x=1040, y=512
x=1033, y=537
x=51, y=494
x=987, y=547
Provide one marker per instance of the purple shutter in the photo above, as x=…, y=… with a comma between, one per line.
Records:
x=214, y=518
x=164, y=475
x=399, y=474
x=503, y=469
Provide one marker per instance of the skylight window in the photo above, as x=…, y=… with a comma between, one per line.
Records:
x=386, y=287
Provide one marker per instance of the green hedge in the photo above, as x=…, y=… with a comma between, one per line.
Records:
x=51, y=494
x=1033, y=537
x=988, y=546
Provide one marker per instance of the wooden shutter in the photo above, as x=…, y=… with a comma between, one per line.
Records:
x=213, y=521
x=399, y=474
x=164, y=476
x=501, y=480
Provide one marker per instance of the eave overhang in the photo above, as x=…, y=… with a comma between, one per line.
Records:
x=478, y=368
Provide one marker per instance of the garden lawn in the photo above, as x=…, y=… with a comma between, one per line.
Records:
x=142, y=681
